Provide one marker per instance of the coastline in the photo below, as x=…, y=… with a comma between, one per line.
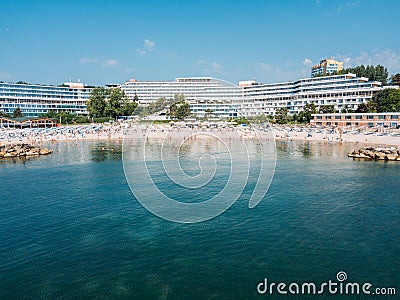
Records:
x=161, y=131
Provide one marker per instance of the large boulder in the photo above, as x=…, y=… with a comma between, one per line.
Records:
x=380, y=156
x=391, y=156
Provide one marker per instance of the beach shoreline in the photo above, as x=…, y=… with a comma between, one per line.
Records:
x=120, y=131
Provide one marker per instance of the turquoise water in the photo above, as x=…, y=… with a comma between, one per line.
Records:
x=70, y=228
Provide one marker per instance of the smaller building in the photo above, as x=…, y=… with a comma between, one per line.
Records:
x=326, y=67
x=27, y=122
x=389, y=120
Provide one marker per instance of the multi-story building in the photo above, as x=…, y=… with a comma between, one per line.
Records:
x=391, y=120
x=326, y=67
x=341, y=91
x=36, y=99
x=204, y=94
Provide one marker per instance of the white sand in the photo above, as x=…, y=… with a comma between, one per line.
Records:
x=280, y=132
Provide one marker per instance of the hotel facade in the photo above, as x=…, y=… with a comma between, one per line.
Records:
x=206, y=95
x=250, y=98
x=326, y=67
x=391, y=120
x=37, y=99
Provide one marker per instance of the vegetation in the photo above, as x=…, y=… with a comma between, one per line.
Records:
x=109, y=103
x=239, y=121
x=395, y=79
x=387, y=100
x=66, y=117
x=327, y=109
x=282, y=115
x=3, y=114
x=305, y=115
x=17, y=113
x=377, y=73
x=179, y=109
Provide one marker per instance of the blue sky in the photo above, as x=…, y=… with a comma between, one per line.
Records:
x=101, y=42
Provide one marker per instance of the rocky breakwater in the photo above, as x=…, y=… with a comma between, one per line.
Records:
x=21, y=150
x=392, y=153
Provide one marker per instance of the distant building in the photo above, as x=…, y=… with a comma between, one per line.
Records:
x=205, y=95
x=37, y=99
x=341, y=91
x=391, y=120
x=326, y=67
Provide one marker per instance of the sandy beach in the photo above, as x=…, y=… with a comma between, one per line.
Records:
x=161, y=131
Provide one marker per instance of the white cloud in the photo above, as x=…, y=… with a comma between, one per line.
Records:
x=307, y=62
x=215, y=65
x=140, y=51
x=211, y=67
x=110, y=63
x=347, y=4
x=5, y=76
x=149, y=45
x=386, y=58
x=263, y=66
x=88, y=60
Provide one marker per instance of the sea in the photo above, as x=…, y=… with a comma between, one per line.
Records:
x=73, y=226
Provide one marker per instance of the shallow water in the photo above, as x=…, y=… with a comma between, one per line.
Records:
x=71, y=228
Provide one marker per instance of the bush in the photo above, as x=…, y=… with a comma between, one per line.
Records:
x=101, y=120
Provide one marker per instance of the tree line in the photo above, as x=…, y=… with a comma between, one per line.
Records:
x=373, y=73
x=109, y=103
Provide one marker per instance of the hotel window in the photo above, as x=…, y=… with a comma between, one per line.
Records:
x=370, y=117
x=348, y=117
x=358, y=117
x=381, y=117
x=338, y=117
x=394, y=117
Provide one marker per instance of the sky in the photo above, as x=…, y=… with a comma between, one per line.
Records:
x=109, y=42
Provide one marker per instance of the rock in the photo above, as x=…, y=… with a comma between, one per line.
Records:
x=45, y=151
x=391, y=157
x=31, y=153
x=380, y=155
x=18, y=150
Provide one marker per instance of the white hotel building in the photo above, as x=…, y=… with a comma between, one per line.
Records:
x=204, y=94
x=37, y=99
x=251, y=99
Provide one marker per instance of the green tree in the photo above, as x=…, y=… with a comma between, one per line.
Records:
x=96, y=103
x=362, y=108
x=327, y=109
x=378, y=73
x=179, y=109
x=346, y=109
x=305, y=114
x=282, y=115
x=183, y=111
x=387, y=100
x=17, y=113
x=395, y=79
